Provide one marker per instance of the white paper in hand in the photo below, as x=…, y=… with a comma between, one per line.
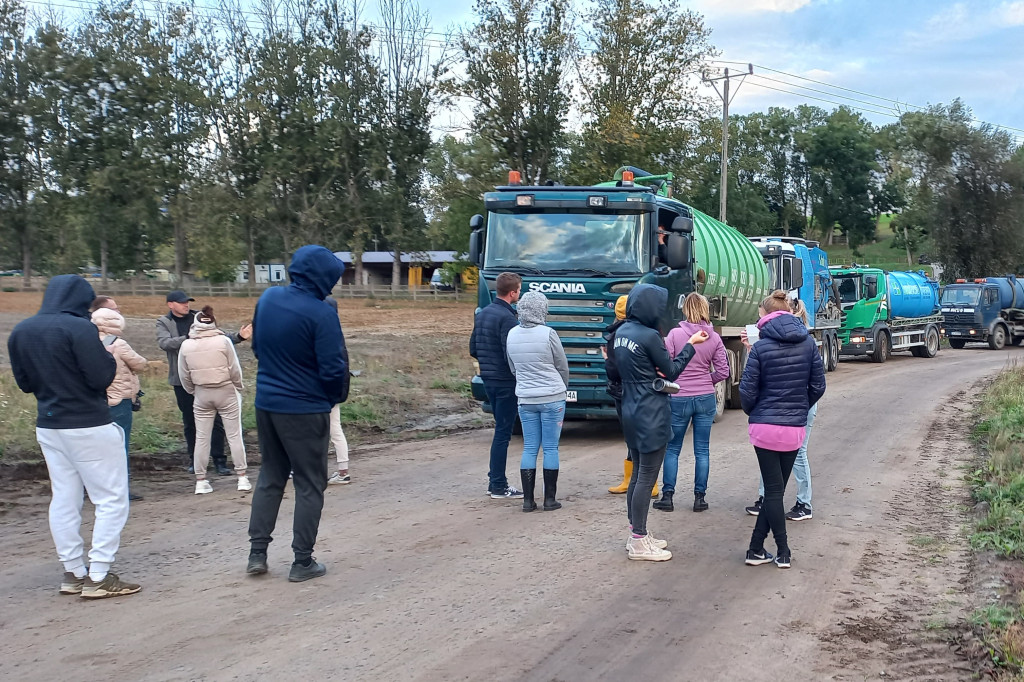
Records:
x=753, y=334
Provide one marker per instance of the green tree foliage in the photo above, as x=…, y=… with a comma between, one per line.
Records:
x=516, y=60
x=639, y=81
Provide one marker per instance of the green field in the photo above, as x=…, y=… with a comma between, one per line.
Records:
x=880, y=254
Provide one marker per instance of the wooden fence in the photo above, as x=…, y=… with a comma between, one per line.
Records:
x=151, y=287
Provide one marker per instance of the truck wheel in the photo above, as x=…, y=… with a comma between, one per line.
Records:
x=997, y=339
x=931, y=343
x=957, y=343
x=826, y=353
x=882, y=347
x=835, y=354
x=719, y=401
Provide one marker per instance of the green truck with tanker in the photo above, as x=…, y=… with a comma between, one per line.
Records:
x=884, y=312
x=584, y=246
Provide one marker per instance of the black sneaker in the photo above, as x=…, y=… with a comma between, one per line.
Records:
x=755, y=508
x=509, y=494
x=799, y=512
x=134, y=497
x=257, y=563
x=224, y=471
x=758, y=558
x=783, y=560
x=300, y=573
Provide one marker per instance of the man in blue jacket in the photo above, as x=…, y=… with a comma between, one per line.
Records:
x=57, y=355
x=303, y=372
x=487, y=345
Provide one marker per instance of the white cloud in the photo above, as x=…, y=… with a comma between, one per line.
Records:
x=1012, y=13
x=721, y=7
x=961, y=22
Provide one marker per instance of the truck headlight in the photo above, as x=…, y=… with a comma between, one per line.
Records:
x=972, y=332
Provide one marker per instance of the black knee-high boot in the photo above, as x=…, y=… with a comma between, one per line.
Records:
x=550, y=488
x=529, y=477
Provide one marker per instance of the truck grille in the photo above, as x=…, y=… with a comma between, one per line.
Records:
x=580, y=324
x=959, y=318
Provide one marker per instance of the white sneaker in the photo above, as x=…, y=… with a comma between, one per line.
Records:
x=338, y=479
x=660, y=544
x=243, y=484
x=642, y=549
x=203, y=487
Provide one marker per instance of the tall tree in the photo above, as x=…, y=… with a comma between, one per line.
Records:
x=516, y=59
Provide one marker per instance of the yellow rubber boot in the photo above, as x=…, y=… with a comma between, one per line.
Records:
x=620, y=489
x=654, y=493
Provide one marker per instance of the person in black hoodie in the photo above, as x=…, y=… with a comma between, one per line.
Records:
x=57, y=355
x=303, y=373
x=640, y=357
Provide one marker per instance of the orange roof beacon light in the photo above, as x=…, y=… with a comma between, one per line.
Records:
x=515, y=178
x=627, y=177
x=979, y=281
x=961, y=281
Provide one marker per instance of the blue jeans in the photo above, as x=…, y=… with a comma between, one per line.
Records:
x=701, y=409
x=122, y=416
x=542, y=426
x=504, y=405
x=801, y=468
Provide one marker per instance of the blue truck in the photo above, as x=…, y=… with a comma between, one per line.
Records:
x=989, y=310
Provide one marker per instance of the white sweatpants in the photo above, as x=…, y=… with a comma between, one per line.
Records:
x=91, y=459
x=338, y=438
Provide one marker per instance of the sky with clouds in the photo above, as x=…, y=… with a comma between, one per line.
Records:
x=916, y=52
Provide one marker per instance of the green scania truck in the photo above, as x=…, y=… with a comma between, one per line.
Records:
x=583, y=247
x=885, y=312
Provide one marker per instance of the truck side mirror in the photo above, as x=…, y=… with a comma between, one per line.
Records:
x=677, y=251
x=871, y=286
x=682, y=224
x=476, y=240
x=798, y=273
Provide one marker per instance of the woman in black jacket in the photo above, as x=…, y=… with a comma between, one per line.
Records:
x=640, y=357
x=783, y=378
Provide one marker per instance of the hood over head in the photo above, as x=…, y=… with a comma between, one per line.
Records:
x=68, y=294
x=316, y=270
x=783, y=326
x=532, y=308
x=620, y=307
x=108, y=321
x=646, y=303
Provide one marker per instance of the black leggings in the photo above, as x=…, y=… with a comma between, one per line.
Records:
x=646, y=466
x=775, y=470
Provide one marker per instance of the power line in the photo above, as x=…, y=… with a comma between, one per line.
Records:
x=822, y=99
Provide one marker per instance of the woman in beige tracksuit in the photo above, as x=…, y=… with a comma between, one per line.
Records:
x=209, y=369
x=125, y=386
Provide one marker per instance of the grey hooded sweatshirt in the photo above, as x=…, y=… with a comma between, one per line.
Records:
x=535, y=354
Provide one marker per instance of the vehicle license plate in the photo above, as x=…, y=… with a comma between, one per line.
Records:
x=570, y=396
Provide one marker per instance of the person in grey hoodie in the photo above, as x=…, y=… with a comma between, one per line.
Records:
x=695, y=400
x=537, y=360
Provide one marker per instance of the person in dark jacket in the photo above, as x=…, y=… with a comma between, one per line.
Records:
x=303, y=372
x=783, y=378
x=488, y=344
x=57, y=355
x=640, y=358
x=172, y=330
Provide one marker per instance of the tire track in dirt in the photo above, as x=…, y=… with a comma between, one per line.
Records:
x=913, y=622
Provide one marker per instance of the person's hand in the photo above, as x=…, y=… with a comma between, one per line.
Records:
x=699, y=337
x=245, y=333
x=604, y=352
x=745, y=340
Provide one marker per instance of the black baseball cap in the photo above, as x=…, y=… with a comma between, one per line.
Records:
x=178, y=296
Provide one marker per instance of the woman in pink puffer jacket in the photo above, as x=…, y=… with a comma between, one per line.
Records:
x=125, y=386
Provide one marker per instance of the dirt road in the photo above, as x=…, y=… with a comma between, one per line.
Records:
x=430, y=580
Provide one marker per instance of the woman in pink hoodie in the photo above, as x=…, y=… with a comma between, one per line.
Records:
x=695, y=400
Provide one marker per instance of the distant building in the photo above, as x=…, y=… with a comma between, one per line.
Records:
x=417, y=267
x=272, y=273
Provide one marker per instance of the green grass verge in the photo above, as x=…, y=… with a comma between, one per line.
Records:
x=998, y=485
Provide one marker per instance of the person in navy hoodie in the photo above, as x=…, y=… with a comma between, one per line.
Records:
x=303, y=372
x=783, y=378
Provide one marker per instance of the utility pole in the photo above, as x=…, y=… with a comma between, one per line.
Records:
x=726, y=99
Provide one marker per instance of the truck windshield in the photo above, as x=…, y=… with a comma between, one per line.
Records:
x=961, y=296
x=849, y=288
x=616, y=244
